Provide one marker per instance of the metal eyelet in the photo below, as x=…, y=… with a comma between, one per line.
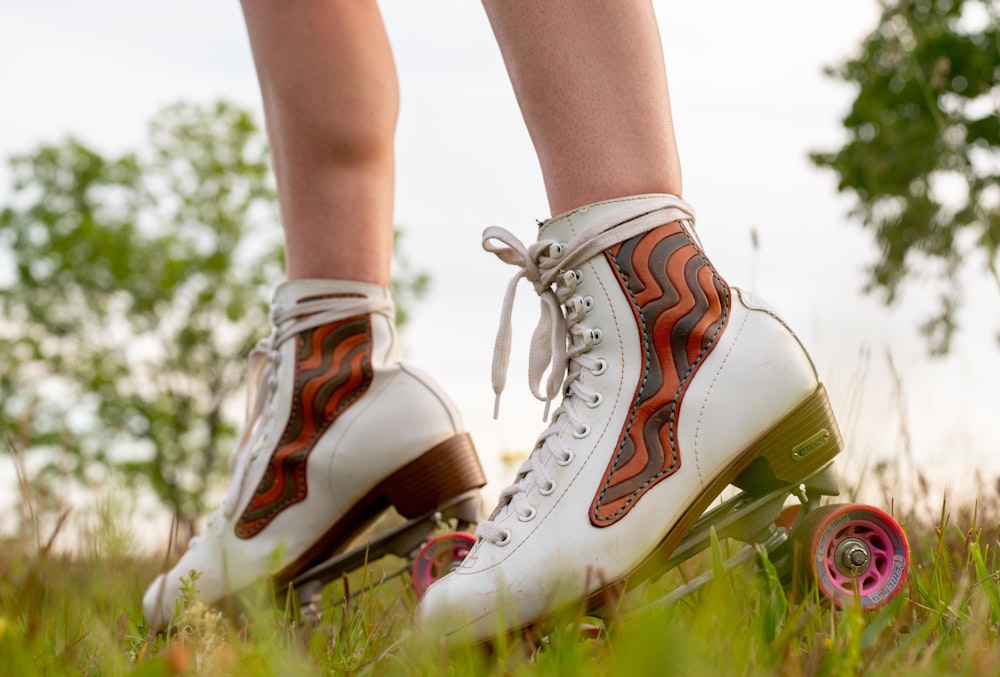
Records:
x=505, y=540
x=580, y=434
x=602, y=366
x=596, y=402
x=566, y=461
x=578, y=275
x=597, y=334
x=530, y=516
x=548, y=488
x=588, y=303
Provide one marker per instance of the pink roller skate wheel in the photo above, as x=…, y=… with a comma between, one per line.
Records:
x=859, y=552
x=439, y=556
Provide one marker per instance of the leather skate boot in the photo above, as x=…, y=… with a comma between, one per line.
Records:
x=673, y=385
x=338, y=429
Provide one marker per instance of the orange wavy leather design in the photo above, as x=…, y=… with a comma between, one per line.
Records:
x=681, y=306
x=332, y=370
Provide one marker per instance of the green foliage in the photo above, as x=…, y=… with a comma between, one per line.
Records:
x=923, y=150
x=141, y=282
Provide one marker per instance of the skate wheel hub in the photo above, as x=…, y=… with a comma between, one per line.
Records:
x=852, y=557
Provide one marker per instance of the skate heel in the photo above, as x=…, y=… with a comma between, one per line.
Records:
x=446, y=471
x=799, y=445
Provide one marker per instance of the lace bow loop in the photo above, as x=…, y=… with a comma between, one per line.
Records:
x=537, y=264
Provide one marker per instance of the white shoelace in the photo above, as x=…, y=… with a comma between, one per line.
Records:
x=560, y=342
x=262, y=375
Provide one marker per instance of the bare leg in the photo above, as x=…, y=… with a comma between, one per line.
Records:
x=590, y=80
x=331, y=100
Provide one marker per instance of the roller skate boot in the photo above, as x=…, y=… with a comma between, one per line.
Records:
x=338, y=431
x=674, y=385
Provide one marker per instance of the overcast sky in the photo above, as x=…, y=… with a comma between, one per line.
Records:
x=750, y=102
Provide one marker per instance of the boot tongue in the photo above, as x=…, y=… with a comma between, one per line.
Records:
x=287, y=294
x=564, y=227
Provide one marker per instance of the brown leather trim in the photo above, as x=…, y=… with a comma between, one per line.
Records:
x=332, y=371
x=680, y=305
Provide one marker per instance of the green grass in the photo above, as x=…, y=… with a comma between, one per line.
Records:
x=80, y=614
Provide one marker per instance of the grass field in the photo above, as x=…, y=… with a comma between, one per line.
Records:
x=79, y=614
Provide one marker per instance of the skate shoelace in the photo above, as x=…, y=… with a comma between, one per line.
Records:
x=560, y=342
x=262, y=375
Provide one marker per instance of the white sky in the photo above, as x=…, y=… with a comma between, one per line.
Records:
x=750, y=102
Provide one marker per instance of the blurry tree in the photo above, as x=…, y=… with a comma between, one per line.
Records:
x=141, y=282
x=923, y=150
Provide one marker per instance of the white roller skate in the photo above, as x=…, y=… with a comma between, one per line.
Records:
x=673, y=385
x=338, y=431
